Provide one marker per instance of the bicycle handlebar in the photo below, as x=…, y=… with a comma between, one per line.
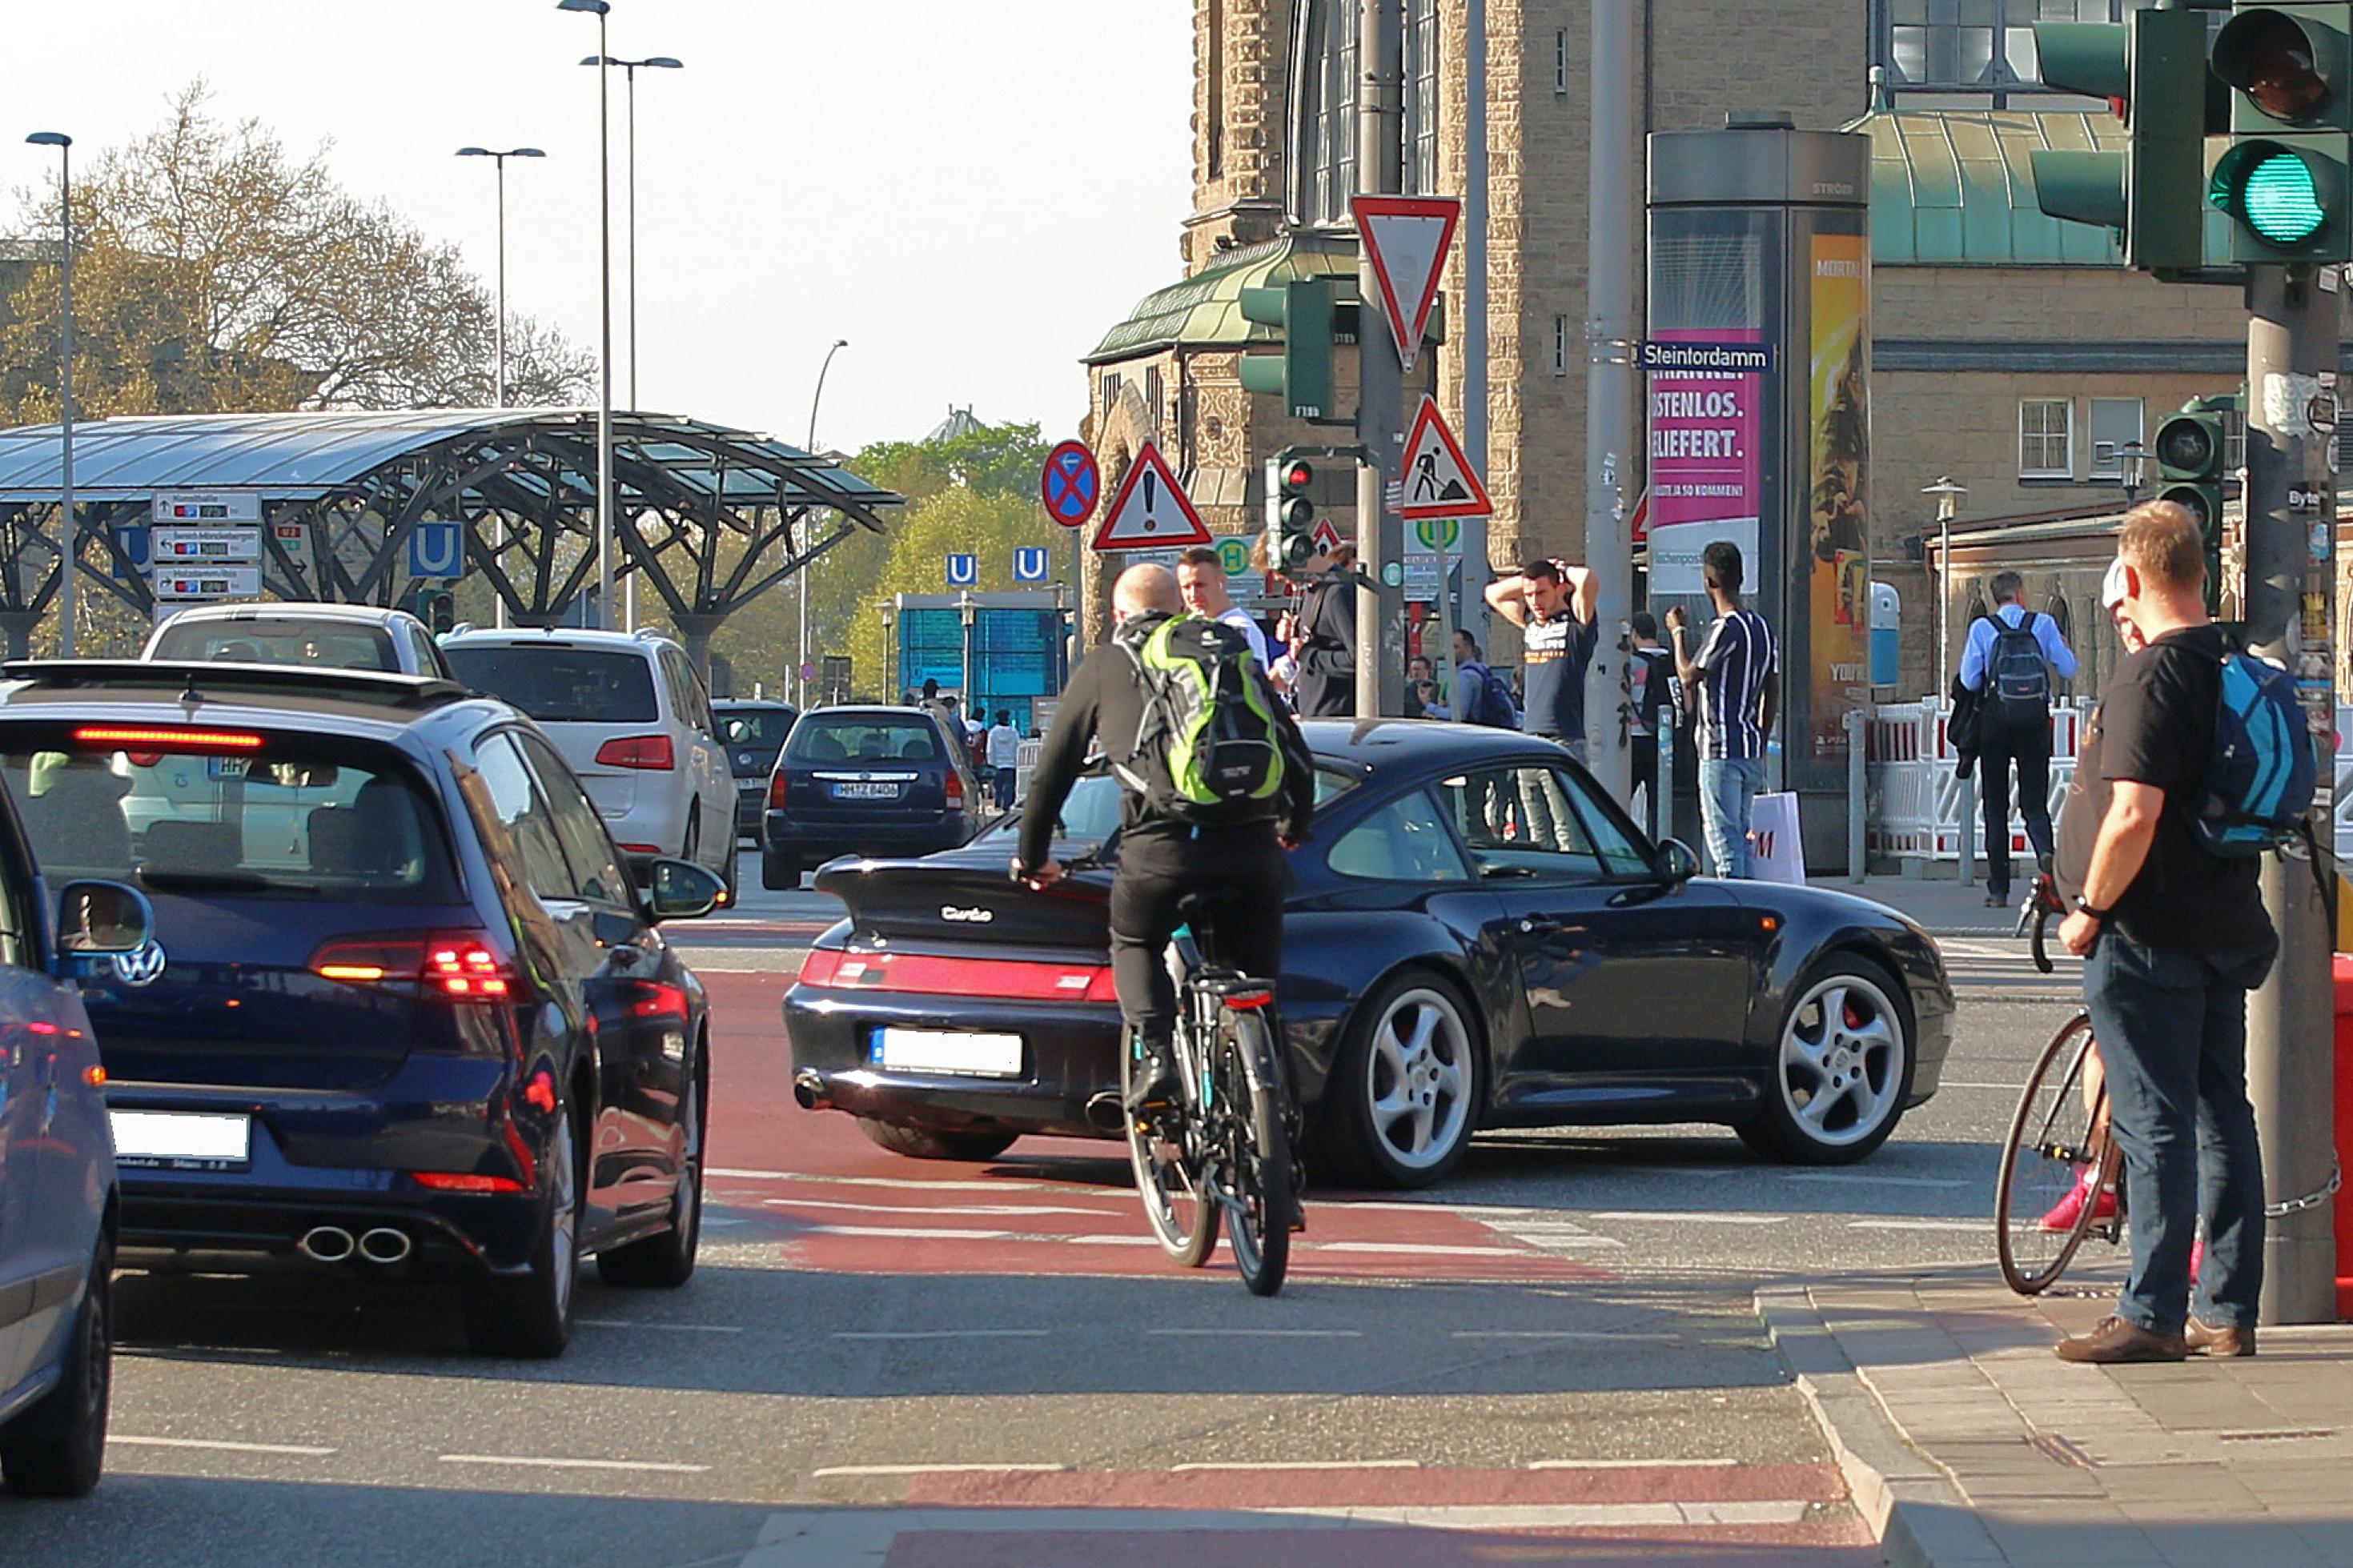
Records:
x=2040, y=905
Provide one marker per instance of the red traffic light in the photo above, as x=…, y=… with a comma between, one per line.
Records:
x=2285, y=69
x=1298, y=475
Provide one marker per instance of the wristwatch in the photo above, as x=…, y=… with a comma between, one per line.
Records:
x=2084, y=908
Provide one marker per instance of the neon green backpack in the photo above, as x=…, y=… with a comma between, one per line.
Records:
x=1206, y=750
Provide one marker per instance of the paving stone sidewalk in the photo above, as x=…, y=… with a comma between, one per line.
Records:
x=1945, y=907
x=1965, y=1441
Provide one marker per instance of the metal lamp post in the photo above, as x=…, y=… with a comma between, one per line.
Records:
x=498, y=375
x=68, y=537
x=600, y=9
x=801, y=683
x=889, y=644
x=630, y=70
x=1948, y=502
x=967, y=612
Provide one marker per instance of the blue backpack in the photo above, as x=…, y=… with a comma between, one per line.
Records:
x=2260, y=784
x=1496, y=709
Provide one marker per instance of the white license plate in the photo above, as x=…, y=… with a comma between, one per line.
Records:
x=962, y=1054
x=866, y=792
x=182, y=1141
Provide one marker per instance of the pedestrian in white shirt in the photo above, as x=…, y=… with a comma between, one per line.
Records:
x=1201, y=578
x=1005, y=756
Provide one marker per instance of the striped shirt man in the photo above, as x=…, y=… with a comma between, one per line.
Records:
x=1738, y=660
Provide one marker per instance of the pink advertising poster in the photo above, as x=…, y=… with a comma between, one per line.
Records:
x=1706, y=451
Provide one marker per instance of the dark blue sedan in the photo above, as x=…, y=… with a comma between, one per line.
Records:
x=406, y=1010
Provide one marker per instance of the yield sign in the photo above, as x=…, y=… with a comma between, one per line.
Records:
x=1151, y=509
x=1407, y=239
x=1437, y=477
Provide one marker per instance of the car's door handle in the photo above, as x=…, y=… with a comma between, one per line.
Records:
x=1540, y=925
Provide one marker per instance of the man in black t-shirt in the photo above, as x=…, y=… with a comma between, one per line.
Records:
x=2172, y=938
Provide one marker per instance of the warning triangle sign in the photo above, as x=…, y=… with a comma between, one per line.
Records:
x=1437, y=477
x=1407, y=239
x=1151, y=510
x=1327, y=536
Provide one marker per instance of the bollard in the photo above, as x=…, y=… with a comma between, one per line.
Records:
x=1969, y=813
x=1857, y=791
x=1662, y=799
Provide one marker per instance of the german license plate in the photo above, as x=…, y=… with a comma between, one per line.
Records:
x=866, y=792
x=182, y=1141
x=226, y=767
x=958, y=1053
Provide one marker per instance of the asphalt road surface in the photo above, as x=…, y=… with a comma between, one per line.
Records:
x=884, y=1361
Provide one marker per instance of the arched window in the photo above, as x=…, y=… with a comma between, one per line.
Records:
x=1323, y=107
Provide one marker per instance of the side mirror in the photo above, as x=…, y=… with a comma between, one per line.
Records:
x=101, y=920
x=1676, y=861
x=681, y=889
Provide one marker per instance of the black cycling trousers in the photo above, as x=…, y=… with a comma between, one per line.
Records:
x=1240, y=872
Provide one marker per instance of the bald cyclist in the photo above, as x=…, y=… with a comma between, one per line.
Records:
x=1237, y=867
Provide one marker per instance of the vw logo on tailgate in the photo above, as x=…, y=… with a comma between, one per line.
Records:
x=142, y=967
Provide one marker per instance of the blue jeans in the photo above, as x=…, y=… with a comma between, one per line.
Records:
x=1726, y=787
x=2172, y=1028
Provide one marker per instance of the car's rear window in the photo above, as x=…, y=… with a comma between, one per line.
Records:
x=294, y=816
x=852, y=738
x=760, y=729
x=558, y=685
x=324, y=645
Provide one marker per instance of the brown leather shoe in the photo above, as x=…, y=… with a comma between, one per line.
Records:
x=2221, y=1342
x=2112, y=1340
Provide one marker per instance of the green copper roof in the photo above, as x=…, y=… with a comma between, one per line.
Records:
x=1956, y=187
x=1205, y=309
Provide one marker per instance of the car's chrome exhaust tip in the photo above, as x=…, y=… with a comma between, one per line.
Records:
x=808, y=1091
x=326, y=1244
x=385, y=1245
x=1107, y=1113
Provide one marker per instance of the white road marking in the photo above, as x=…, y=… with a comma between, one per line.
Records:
x=1302, y=1465
x=1000, y=1209
x=1634, y=1464
x=1957, y=1083
x=1407, y=1249
x=1985, y=1225
x=938, y=1470
x=1259, y=1333
x=1558, y=1516
x=536, y=1462
x=301, y=1450
x=666, y=1328
x=941, y=1334
x=902, y=1231
x=903, y=1183
x=1656, y=1217
x=1841, y=1178
x=1606, y=1334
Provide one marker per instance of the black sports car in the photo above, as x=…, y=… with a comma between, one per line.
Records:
x=1476, y=937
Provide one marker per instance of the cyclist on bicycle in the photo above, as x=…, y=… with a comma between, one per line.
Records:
x=1237, y=863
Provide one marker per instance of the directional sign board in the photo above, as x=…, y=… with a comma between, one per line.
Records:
x=1437, y=477
x=206, y=506
x=1406, y=238
x=437, y=550
x=209, y=583
x=1029, y=564
x=1152, y=510
x=1070, y=484
x=964, y=571
x=177, y=546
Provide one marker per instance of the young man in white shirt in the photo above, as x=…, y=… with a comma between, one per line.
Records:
x=1201, y=579
x=1005, y=756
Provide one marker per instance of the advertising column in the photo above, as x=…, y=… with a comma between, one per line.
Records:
x=1707, y=424
x=1836, y=569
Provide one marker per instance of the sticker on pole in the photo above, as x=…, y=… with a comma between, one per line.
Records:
x=1406, y=238
x=1151, y=510
x=1068, y=483
x=1437, y=477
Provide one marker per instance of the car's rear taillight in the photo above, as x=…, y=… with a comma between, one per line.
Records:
x=779, y=785
x=458, y=965
x=1002, y=979
x=956, y=790
x=652, y=751
x=464, y=1181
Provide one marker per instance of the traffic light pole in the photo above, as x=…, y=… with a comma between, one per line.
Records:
x=1612, y=390
x=1381, y=532
x=2291, y=512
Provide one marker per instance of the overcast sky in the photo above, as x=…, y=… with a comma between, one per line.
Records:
x=969, y=191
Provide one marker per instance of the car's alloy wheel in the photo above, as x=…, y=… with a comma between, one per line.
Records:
x=1843, y=1065
x=1407, y=1085
x=58, y=1448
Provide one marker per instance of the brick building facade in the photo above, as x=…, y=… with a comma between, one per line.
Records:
x=2011, y=353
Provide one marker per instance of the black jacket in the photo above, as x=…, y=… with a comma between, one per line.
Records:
x=1105, y=700
x=1327, y=650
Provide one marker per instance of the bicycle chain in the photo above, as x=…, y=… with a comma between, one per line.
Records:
x=2309, y=1200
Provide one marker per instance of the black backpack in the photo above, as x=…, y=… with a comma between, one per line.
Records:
x=2017, y=681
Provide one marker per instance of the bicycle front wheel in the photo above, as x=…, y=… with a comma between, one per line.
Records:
x=1183, y=1216
x=2046, y=1194
x=1258, y=1174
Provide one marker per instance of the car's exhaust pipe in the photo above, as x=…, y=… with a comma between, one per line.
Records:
x=326, y=1244
x=1107, y=1113
x=808, y=1091
x=385, y=1245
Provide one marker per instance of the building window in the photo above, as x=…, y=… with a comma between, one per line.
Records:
x=1114, y=384
x=1323, y=107
x=2116, y=425
x=1974, y=45
x=1560, y=63
x=1155, y=389
x=2046, y=438
x=1560, y=345
x=1420, y=155
x=2234, y=441
x=1213, y=71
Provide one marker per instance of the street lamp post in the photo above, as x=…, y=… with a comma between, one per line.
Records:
x=499, y=373
x=2132, y=470
x=68, y=537
x=890, y=646
x=630, y=71
x=1948, y=502
x=801, y=683
x=967, y=612
x=600, y=9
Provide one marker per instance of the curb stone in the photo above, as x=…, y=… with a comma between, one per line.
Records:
x=1914, y=1512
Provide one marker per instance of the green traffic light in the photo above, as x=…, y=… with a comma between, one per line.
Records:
x=2281, y=200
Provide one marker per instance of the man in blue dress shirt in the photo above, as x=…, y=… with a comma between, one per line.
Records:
x=2015, y=657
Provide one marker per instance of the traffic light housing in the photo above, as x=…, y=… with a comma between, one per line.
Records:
x=437, y=607
x=2153, y=68
x=1299, y=374
x=2189, y=473
x=1290, y=510
x=2284, y=180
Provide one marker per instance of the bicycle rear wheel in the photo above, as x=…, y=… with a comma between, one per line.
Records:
x=1183, y=1216
x=2051, y=1152
x=1259, y=1172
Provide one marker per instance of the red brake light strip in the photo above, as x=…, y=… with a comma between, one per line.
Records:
x=171, y=739
x=1012, y=979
